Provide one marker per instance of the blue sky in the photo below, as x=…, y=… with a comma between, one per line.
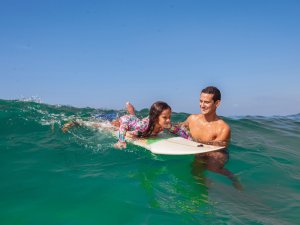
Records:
x=103, y=53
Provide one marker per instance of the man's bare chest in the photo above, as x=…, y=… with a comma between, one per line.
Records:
x=204, y=132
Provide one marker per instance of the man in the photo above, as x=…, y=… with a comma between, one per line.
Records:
x=208, y=128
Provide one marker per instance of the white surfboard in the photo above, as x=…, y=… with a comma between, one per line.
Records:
x=170, y=145
x=164, y=143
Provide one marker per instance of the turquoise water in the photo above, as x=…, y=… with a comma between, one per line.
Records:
x=50, y=177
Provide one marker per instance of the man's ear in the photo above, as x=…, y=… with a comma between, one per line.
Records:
x=217, y=103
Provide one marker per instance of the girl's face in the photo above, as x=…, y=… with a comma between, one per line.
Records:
x=164, y=119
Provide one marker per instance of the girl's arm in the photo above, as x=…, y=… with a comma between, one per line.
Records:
x=122, y=132
x=180, y=131
x=121, y=136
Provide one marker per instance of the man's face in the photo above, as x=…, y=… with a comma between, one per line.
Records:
x=207, y=104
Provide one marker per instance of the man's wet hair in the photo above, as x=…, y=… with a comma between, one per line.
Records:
x=212, y=90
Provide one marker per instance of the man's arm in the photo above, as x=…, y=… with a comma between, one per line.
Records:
x=223, y=137
x=186, y=123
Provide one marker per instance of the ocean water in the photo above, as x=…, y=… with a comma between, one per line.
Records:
x=78, y=178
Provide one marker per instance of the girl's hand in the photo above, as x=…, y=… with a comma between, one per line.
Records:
x=120, y=145
x=130, y=134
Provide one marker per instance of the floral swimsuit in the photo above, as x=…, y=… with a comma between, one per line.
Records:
x=136, y=126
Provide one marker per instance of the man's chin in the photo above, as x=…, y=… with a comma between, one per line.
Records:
x=204, y=111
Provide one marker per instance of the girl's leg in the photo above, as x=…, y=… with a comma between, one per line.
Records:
x=130, y=108
x=131, y=111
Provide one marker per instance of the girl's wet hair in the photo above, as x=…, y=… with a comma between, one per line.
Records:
x=156, y=109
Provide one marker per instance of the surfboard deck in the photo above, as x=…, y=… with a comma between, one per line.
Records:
x=169, y=145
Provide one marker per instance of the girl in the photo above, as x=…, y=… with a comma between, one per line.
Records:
x=158, y=119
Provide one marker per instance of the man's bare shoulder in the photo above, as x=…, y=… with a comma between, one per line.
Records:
x=223, y=124
x=194, y=117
